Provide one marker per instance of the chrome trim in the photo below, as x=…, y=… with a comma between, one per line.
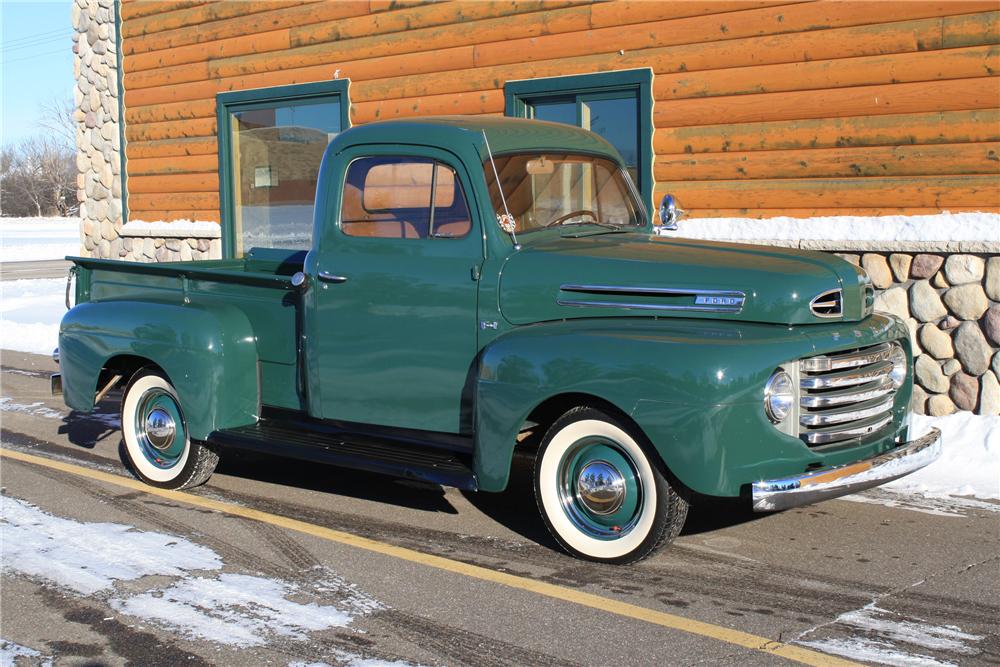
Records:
x=834, y=362
x=847, y=379
x=606, y=496
x=855, y=413
x=847, y=396
x=706, y=300
x=328, y=277
x=778, y=494
x=644, y=306
x=159, y=428
x=855, y=431
x=838, y=303
x=55, y=355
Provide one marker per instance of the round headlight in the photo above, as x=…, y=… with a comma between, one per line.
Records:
x=899, y=366
x=779, y=396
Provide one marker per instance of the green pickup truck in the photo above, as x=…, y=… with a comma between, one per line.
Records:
x=472, y=286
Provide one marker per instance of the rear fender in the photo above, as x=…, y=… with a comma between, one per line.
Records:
x=209, y=353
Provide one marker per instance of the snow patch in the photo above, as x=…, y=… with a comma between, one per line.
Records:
x=10, y=652
x=896, y=229
x=235, y=609
x=891, y=629
x=38, y=409
x=90, y=557
x=30, y=312
x=37, y=239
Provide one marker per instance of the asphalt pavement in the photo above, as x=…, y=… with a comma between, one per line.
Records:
x=436, y=576
x=54, y=268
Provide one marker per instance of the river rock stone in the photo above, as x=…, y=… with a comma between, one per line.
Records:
x=964, y=391
x=900, y=264
x=878, y=270
x=925, y=303
x=961, y=269
x=940, y=281
x=968, y=301
x=918, y=402
x=849, y=257
x=991, y=324
x=995, y=364
x=972, y=349
x=940, y=405
x=993, y=278
x=912, y=325
x=949, y=323
x=951, y=366
x=929, y=374
x=989, y=394
x=894, y=300
x=925, y=266
x=936, y=342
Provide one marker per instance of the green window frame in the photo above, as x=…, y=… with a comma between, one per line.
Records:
x=228, y=103
x=521, y=96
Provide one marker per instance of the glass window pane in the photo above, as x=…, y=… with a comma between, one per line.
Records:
x=563, y=111
x=617, y=120
x=392, y=197
x=276, y=156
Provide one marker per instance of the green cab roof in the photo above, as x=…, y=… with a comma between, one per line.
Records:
x=506, y=135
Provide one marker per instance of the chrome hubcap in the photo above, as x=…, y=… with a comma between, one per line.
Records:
x=160, y=428
x=601, y=488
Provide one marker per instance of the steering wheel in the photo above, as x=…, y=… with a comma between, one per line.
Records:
x=574, y=214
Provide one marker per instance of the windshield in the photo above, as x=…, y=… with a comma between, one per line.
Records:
x=559, y=189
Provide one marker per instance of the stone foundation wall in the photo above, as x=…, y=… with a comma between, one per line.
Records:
x=99, y=158
x=951, y=304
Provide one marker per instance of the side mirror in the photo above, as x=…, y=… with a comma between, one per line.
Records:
x=670, y=213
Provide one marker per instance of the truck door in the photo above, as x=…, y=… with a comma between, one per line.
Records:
x=392, y=335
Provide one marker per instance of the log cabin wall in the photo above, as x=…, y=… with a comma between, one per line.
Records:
x=762, y=108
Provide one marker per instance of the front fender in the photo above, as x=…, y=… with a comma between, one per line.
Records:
x=694, y=388
x=209, y=354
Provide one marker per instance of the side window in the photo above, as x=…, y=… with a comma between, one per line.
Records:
x=403, y=198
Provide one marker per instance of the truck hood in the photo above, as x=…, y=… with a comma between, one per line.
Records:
x=576, y=275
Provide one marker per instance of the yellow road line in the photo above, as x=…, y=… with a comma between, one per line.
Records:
x=672, y=621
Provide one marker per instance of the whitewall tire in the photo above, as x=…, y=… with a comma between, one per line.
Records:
x=157, y=445
x=600, y=493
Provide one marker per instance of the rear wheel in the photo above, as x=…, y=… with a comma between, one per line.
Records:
x=599, y=492
x=157, y=445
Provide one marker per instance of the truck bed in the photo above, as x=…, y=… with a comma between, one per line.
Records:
x=258, y=284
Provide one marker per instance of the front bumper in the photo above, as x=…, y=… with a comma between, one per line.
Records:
x=778, y=494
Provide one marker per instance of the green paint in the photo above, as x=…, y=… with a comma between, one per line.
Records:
x=119, y=56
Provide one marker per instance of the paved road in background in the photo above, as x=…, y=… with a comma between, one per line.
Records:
x=843, y=576
x=55, y=268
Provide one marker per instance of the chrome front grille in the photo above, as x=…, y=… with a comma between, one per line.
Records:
x=845, y=395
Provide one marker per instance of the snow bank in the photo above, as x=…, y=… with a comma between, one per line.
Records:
x=35, y=239
x=897, y=229
x=969, y=463
x=30, y=312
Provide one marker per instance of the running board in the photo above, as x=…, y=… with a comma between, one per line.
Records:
x=379, y=452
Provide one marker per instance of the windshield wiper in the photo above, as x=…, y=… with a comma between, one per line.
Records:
x=606, y=225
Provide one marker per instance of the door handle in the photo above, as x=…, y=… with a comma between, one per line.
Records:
x=328, y=277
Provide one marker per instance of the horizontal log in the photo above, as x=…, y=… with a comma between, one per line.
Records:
x=888, y=130
x=466, y=103
x=965, y=30
x=200, y=215
x=948, y=159
x=646, y=11
x=957, y=94
x=941, y=192
x=414, y=40
x=172, y=202
x=174, y=164
x=201, y=14
x=764, y=213
x=816, y=74
x=170, y=183
x=246, y=27
x=157, y=113
x=199, y=127
x=751, y=23
x=137, y=9
x=170, y=147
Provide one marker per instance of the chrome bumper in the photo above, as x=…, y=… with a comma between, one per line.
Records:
x=777, y=494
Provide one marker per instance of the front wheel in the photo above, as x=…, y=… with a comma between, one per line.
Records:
x=599, y=493
x=157, y=445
